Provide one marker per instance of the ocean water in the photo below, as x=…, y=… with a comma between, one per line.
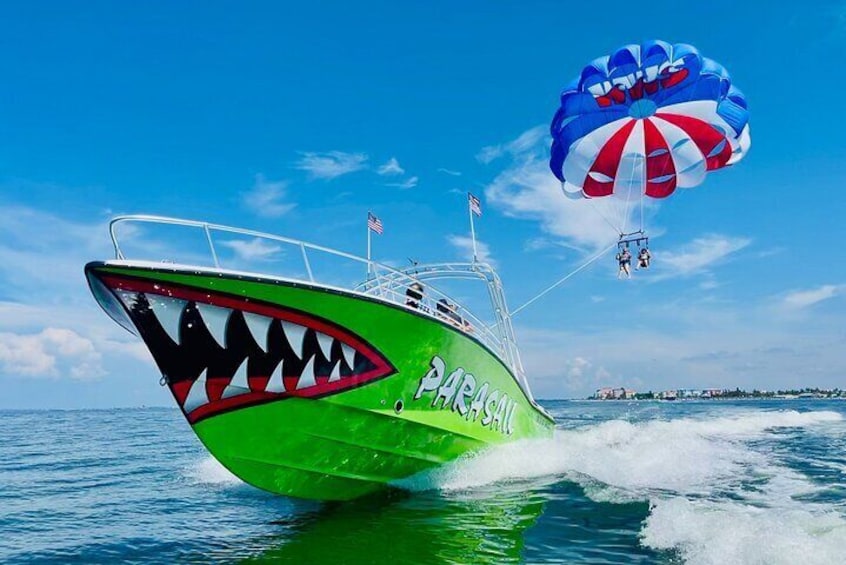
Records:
x=621, y=482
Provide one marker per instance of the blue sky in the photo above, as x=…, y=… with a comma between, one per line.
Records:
x=298, y=118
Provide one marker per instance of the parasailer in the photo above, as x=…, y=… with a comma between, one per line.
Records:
x=644, y=121
x=643, y=258
x=624, y=260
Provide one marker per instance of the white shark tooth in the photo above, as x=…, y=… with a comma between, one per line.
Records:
x=349, y=355
x=276, y=383
x=215, y=318
x=168, y=312
x=197, y=395
x=258, y=326
x=336, y=373
x=295, y=335
x=325, y=343
x=307, y=377
x=239, y=383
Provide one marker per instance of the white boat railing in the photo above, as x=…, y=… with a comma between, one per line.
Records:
x=383, y=282
x=500, y=332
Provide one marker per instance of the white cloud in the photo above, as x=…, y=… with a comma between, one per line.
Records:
x=537, y=243
x=804, y=298
x=700, y=254
x=449, y=172
x=42, y=254
x=256, y=249
x=579, y=373
x=331, y=164
x=266, y=198
x=408, y=183
x=464, y=245
x=526, y=141
x=14, y=315
x=391, y=167
x=697, y=346
x=49, y=323
x=54, y=352
x=489, y=153
x=526, y=189
x=123, y=349
x=574, y=369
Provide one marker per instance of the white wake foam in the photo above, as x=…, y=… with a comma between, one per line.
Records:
x=209, y=471
x=684, y=455
x=695, y=472
x=718, y=533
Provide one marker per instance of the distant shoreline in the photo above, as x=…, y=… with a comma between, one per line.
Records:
x=709, y=399
x=623, y=393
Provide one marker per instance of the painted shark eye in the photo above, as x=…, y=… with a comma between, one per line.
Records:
x=222, y=352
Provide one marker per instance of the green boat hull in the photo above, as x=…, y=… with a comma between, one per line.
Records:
x=366, y=392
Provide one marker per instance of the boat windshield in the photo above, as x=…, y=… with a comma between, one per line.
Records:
x=211, y=246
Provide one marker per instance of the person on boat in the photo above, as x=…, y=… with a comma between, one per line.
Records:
x=643, y=258
x=446, y=311
x=414, y=295
x=624, y=258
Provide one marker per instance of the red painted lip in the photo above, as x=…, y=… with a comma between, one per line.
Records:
x=238, y=372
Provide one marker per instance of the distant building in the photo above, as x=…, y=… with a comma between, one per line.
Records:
x=603, y=393
x=608, y=393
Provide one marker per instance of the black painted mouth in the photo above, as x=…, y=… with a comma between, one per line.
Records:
x=218, y=352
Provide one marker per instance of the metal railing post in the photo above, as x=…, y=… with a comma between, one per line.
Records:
x=307, y=264
x=211, y=246
x=112, y=232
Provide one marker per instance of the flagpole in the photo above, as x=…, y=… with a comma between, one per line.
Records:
x=368, y=244
x=472, y=230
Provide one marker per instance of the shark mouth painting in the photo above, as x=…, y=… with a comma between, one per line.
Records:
x=219, y=352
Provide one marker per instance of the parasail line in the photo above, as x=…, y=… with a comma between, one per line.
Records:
x=613, y=226
x=625, y=218
x=564, y=279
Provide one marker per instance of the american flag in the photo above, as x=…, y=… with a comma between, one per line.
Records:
x=374, y=223
x=475, y=204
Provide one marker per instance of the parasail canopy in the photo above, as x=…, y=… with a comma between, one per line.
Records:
x=646, y=120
